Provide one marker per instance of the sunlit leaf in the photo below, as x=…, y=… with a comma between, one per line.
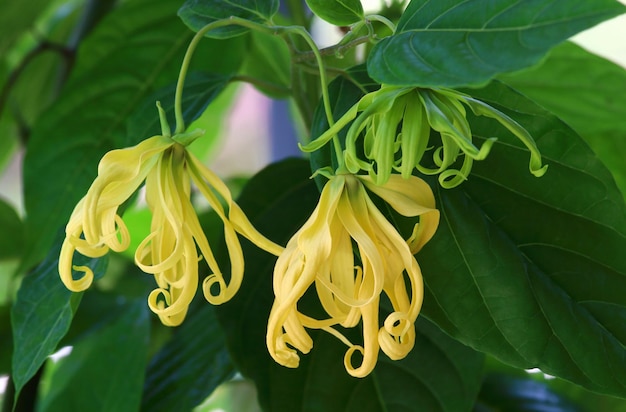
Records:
x=458, y=42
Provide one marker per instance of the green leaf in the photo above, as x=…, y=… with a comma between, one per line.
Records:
x=198, y=13
x=115, y=71
x=268, y=59
x=15, y=19
x=337, y=12
x=105, y=370
x=463, y=42
x=440, y=374
x=589, y=99
x=531, y=270
x=190, y=366
x=506, y=393
x=10, y=223
x=42, y=314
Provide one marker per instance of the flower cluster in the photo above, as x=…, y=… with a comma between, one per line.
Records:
x=395, y=126
x=170, y=251
x=347, y=251
x=321, y=254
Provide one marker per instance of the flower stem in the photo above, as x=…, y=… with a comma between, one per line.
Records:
x=274, y=30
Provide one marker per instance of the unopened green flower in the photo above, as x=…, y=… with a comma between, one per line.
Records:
x=172, y=250
x=321, y=254
x=395, y=123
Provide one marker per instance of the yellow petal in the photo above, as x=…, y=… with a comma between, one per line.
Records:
x=120, y=173
x=410, y=197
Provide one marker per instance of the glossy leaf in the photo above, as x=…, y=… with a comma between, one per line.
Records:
x=589, y=99
x=115, y=71
x=337, y=12
x=105, y=370
x=42, y=314
x=454, y=43
x=198, y=13
x=440, y=374
x=523, y=268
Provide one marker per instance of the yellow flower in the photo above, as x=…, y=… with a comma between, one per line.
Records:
x=321, y=253
x=170, y=252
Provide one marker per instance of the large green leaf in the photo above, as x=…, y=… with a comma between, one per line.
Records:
x=532, y=270
x=590, y=99
x=42, y=314
x=134, y=51
x=105, y=370
x=198, y=13
x=440, y=374
x=461, y=42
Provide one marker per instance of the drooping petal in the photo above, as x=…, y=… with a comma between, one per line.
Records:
x=295, y=271
x=169, y=252
x=321, y=253
x=120, y=173
x=410, y=197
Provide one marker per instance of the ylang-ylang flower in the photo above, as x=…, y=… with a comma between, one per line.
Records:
x=321, y=255
x=393, y=126
x=176, y=243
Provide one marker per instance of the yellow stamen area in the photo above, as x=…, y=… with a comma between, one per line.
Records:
x=321, y=254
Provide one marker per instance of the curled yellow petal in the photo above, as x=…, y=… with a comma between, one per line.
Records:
x=321, y=254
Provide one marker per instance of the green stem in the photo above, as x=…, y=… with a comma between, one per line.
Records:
x=274, y=30
x=323, y=80
x=178, y=110
x=332, y=50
